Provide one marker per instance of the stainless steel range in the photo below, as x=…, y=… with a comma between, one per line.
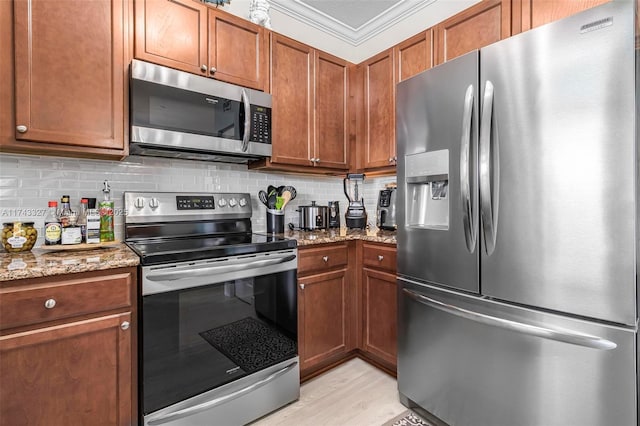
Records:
x=218, y=334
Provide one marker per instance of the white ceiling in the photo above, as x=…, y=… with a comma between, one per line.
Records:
x=354, y=29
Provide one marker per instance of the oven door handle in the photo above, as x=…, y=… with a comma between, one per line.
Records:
x=185, y=412
x=220, y=269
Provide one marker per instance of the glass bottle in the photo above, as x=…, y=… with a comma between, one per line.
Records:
x=82, y=218
x=65, y=211
x=52, y=229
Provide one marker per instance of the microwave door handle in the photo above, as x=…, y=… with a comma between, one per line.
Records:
x=247, y=120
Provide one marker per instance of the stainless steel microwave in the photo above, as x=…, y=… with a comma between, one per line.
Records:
x=181, y=115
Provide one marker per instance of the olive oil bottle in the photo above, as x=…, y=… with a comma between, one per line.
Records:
x=106, y=215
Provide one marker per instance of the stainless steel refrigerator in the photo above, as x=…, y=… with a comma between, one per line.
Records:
x=518, y=229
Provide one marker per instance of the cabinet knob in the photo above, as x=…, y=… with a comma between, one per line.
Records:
x=125, y=325
x=50, y=303
x=203, y=68
x=391, y=159
x=325, y=258
x=301, y=286
x=380, y=257
x=213, y=70
x=21, y=128
x=317, y=160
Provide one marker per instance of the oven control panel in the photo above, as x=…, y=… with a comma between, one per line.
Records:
x=192, y=202
x=143, y=207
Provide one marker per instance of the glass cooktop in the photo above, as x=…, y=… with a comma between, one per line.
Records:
x=168, y=250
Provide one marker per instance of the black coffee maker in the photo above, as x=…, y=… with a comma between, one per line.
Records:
x=334, y=215
x=356, y=216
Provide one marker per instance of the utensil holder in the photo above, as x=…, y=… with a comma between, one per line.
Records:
x=275, y=221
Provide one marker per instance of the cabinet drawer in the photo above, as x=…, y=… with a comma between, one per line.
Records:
x=322, y=258
x=36, y=303
x=379, y=256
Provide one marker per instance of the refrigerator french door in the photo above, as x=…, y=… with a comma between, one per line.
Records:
x=525, y=173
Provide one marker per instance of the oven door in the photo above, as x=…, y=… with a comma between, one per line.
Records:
x=226, y=323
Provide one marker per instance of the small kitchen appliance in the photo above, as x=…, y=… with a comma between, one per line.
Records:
x=334, y=214
x=313, y=217
x=386, y=214
x=356, y=215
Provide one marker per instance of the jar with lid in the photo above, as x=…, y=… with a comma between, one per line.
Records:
x=18, y=236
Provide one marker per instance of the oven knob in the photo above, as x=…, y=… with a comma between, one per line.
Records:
x=153, y=203
x=232, y=202
x=139, y=203
x=243, y=202
x=222, y=202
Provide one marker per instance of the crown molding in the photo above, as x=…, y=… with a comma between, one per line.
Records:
x=311, y=16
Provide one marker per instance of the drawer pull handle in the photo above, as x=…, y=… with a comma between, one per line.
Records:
x=301, y=286
x=325, y=258
x=50, y=303
x=124, y=325
x=380, y=257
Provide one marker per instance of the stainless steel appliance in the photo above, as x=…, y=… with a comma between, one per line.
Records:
x=356, y=215
x=334, y=214
x=313, y=217
x=518, y=229
x=218, y=335
x=181, y=115
x=386, y=209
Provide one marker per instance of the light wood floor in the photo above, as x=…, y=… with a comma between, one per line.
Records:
x=353, y=394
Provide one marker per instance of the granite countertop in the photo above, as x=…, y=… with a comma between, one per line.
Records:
x=42, y=263
x=306, y=238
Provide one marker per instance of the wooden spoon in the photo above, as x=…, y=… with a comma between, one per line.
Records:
x=286, y=197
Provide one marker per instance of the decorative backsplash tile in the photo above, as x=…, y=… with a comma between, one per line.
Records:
x=27, y=183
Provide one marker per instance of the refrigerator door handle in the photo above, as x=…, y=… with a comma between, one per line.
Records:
x=565, y=336
x=489, y=171
x=470, y=225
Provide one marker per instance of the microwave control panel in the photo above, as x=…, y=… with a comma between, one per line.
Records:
x=260, y=124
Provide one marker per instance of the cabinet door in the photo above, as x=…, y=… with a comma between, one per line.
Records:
x=528, y=14
x=70, y=72
x=331, y=95
x=379, y=310
x=71, y=374
x=292, y=109
x=478, y=26
x=322, y=317
x=414, y=55
x=238, y=51
x=172, y=33
x=379, y=100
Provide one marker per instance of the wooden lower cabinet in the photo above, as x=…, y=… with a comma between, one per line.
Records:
x=62, y=370
x=323, y=317
x=379, y=314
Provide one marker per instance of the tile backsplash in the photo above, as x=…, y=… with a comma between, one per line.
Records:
x=27, y=183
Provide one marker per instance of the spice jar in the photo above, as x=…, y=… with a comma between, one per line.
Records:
x=18, y=236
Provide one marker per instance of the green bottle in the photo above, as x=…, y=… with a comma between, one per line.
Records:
x=106, y=215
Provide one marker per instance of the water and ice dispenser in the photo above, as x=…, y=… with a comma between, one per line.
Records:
x=427, y=183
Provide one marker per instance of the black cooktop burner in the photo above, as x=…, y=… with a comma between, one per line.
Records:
x=167, y=250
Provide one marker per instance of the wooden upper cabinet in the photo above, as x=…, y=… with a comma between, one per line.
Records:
x=379, y=148
x=528, y=14
x=292, y=66
x=238, y=51
x=70, y=76
x=331, y=111
x=478, y=26
x=414, y=55
x=172, y=33
x=195, y=38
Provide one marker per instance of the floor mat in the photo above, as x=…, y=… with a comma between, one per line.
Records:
x=408, y=418
x=251, y=344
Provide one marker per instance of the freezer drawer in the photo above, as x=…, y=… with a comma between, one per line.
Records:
x=475, y=362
